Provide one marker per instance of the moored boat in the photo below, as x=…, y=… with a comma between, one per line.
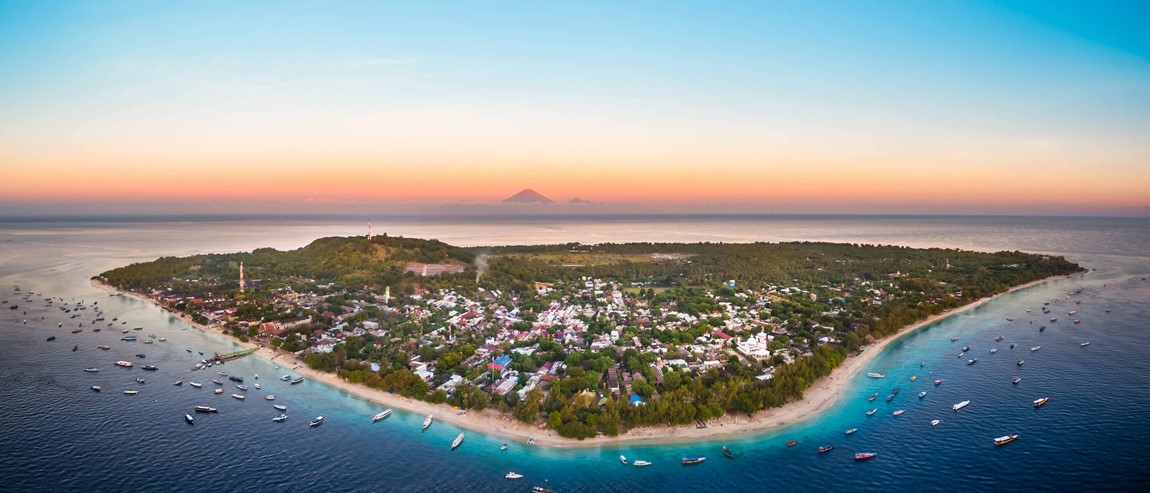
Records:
x=95, y=388
x=219, y=391
x=104, y=347
x=206, y=409
x=872, y=411
x=727, y=453
x=1020, y=362
x=178, y=383
x=851, y=431
x=242, y=387
x=865, y=455
x=189, y=419
x=296, y=380
x=828, y=448
x=1016, y=379
x=269, y=397
x=139, y=380
x=641, y=463
x=792, y=443
x=922, y=394
x=937, y=382
x=876, y=375
x=961, y=405
x=316, y=421
x=890, y=398
x=899, y=412
x=238, y=396
x=1036, y=348
x=1087, y=343
x=381, y=415
x=125, y=364
x=280, y=419
x=513, y=475
x=971, y=361
x=427, y=422
x=872, y=396
x=686, y=461
x=935, y=422
x=281, y=407
x=150, y=368
x=131, y=392
x=1040, y=402
x=196, y=384
x=623, y=459
x=1003, y=440
x=91, y=370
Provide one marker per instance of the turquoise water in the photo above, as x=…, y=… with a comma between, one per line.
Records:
x=63, y=437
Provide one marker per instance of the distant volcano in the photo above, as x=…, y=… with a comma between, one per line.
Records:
x=528, y=196
x=578, y=200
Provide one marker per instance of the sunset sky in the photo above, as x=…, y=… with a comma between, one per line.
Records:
x=931, y=107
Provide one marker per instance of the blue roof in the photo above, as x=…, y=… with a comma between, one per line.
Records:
x=635, y=398
x=502, y=360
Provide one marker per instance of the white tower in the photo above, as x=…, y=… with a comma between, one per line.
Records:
x=369, y=230
x=242, y=284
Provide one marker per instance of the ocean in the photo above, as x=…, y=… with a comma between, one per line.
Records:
x=59, y=436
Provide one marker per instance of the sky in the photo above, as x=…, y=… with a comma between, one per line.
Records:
x=941, y=107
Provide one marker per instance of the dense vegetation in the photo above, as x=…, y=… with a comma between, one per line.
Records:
x=814, y=289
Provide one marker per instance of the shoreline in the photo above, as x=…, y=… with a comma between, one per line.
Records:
x=820, y=396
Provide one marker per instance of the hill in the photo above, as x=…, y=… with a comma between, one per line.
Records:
x=528, y=196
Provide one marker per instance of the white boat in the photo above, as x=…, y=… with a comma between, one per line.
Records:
x=458, y=440
x=1087, y=343
x=935, y=422
x=993, y=350
x=190, y=419
x=1036, y=348
x=238, y=396
x=513, y=475
x=641, y=463
x=257, y=386
x=922, y=394
x=219, y=391
x=280, y=419
x=961, y=405
x=427, y=422
x=876, y=375
x=269, y=397
x=381, y=415
x=623, y=459
x=280, y=407
x=1003, y=440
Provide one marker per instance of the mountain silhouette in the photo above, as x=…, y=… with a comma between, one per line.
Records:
x=528, y=196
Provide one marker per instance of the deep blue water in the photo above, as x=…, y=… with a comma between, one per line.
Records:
x=1093, y=434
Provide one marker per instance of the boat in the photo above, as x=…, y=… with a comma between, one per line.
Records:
x=139, y=380
x=281, y=407
x=541, y=489
x=1076, y=322
x=922, y=394
x=935, y=422
x=1003, y=440
x=503, y=447
x=196, y=384
x=217, y=381
x=1019, y=363
x=513, y=475
x=280, y=419
x=961, y=405
x=1012, y=345
x=623, y=459
x=238, y=396
x=219, y=391
x=95, y=388
x=641, y=463
x=953, y=339
x=895, y=391
x=257, y=386
x=91, y=370
x=206, y=409
x=1042, y=328
x=727, y=453
x=51, y=338
x=998, y=339
x=937, y=382
x=285, y=378
x=297, y=380
x=898, y=413
x=1040, y=402
x=1087, y=343
x=381, y=415
x=865, y=455
x=236, y=379
x=828, y=448
x=965, y=348
x=150, y=368
x=686, y=461
x=913, y=377
x=188, y=349
x=890, y=398
x=427, y=422
x=1036, y=348
x=131, y=392
x=222, y=373
x=993, y=350
x=75, y=348
x=105, y=348
x=872, y=411
x=141, y=355
x=792, y=443
x=1016, y=379
x=269, y=397
x=872, y=396
x=242, y=387
x=189, y=419
x=851, y=431
x=876, y=375
x=316, y=421
x=1073, y=313
x=921, y=364
x=178, y=383
x=971, y=361
x=128, y=338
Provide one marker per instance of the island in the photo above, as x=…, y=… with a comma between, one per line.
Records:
x=581, y=344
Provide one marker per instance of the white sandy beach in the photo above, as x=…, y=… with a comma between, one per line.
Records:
x=820, y=396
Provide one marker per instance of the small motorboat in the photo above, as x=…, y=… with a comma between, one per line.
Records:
x=623, y=459
x=91, y=370
x=189, y=419
x=1016, y=379
x=727, y=453
x=641, y=463
x=828, y=448
x=280, y=419
x=316, y=421
x=1040, y=402
x=503, y=447
x=851, y=431
x=206, y=409
x=922, y=394
x=95, y=388
x=269, y=397
x=139, y=380
x=131, y=392
x=1019, y=363
x=899, y=412
x=381, y=415
x=872, y=411
x=993, y=350
x=219, y=391
x=935, y=422
x=792, y=443
x=280, y=407
x=238, y=396
x=178, y=383
x=1087, y=343
x=865, y=455
x=196, y=384
x=872, y=396
x=1003, y=440
x=1035, y=348
x=513, y=475
x=937, y=382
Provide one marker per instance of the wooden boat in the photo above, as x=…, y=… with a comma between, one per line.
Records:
x=381, y=415
x=727, y=453
x=1040, y=402
x=686, y=461
x=458, y=440
x=828, y=448
x=316, y=421
x=1003, y=440
x=792, y=443
x=427, y=422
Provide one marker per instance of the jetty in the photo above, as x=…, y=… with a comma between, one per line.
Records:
x=220, y=358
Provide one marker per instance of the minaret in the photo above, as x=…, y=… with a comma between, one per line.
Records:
x=369, y=230
x=242, y=284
